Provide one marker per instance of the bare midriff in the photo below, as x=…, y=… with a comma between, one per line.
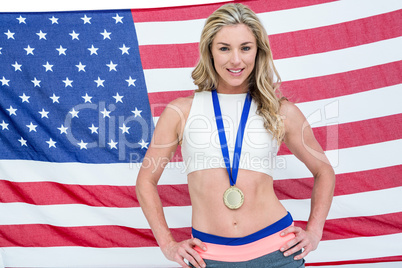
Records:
x=210, y=215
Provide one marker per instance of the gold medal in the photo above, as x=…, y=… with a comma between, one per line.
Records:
x=233, y=197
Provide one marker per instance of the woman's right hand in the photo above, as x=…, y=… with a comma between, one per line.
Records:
x=178, y=251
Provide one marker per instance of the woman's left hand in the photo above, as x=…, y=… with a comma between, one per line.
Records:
x=306, y=240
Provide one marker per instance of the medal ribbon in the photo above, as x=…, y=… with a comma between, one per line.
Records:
x=239, y=137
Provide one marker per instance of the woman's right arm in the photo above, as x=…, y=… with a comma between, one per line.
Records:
x=164, y=143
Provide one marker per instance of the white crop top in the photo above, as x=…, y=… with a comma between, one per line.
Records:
x=201, y=148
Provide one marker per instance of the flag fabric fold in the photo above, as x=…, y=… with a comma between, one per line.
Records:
x=80, y=93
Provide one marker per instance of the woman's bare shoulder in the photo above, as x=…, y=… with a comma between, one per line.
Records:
x=177, y=110
x=182, y=103
x=288, y=110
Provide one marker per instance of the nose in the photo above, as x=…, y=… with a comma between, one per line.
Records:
x=235, y=58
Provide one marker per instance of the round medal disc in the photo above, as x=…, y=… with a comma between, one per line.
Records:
x=233, y=197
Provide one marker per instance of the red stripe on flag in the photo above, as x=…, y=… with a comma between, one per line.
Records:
x=337, y=36
x=158, y=101
x=334, y=137
x=286, y=45
x=50, y=193
x=363, y=261
x=340, y=84
x=43, y=235
x=346, y=228
x=323, y=87
x=203, y=11
x=347, y=183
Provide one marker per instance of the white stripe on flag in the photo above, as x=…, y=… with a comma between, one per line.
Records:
x=353, y=205
x=84, y=257
x=362, y=204
x=276, y=22
x=332, y=250
x=76, y=215
x=373, y=156
x=73, y=5
x=346, y=249
x=343, y=109
x=342, y=60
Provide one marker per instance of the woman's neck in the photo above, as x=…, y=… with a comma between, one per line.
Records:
x=232, y=90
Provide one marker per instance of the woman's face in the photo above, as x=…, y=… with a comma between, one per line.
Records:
x=234, y=49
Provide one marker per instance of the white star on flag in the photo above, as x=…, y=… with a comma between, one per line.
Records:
x=23, y=142
x=118, y=98
x=68, y=82
x=29, y=50
x=9, y=35
x=112, y=144
x=48, y=66
x=43, y=113
x=93, y=50
x=55, y=98
x=124, y=49
x=83, y=145
x=131, y=81
x=74, y=35
x=17, y=66
x=12, y=110
x=143, y=144
x=32, y=127
x=99, y=82
x=105, y=113
x=137, y=112
x=4, y=81
x=74, y=113
x=4, y=125
x=111, y=66
x=93, y=129
x=124, y=129
x=61, y=50
x=86, y=19
x=80, y=67
x=41, y=35
x=118, y=18
x=24, y=98
x=63, y=129
x=51, y=143
x=36, y=82
x=106, y=34
x=87, y=98
x=21, y=20
x=54, y=20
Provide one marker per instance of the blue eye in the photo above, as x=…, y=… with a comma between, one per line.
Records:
x=223, y=49
x=246, y=48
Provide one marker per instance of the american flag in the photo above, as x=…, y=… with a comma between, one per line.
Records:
x=81, y=91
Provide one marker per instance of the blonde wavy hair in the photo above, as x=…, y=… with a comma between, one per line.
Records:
x=264, y=81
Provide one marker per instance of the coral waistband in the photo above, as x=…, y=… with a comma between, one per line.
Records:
x=245, y=248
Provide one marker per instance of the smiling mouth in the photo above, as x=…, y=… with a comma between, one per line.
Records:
x=235, y=71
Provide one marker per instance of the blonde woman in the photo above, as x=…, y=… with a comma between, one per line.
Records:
x=230, y=131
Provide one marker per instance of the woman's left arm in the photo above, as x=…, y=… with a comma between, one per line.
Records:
x=300, y=140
